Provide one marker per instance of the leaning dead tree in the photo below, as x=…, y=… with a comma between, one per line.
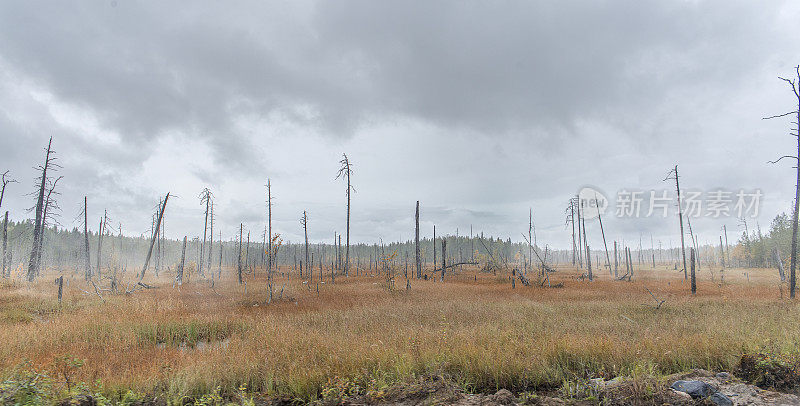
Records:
x=794, y=84
x=673, y=174
x=345, y=171
x=153, y=237
x=39, y=220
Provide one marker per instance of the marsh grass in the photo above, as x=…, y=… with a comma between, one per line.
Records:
x=481, y=334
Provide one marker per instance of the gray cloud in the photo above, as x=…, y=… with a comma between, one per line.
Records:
x=480, y=110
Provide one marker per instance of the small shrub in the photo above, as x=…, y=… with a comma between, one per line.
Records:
x=771, y=371
x=26, y=386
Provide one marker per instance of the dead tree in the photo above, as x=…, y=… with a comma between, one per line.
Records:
x=38, y=225
x=86, y=250
x=530, y=228
x=571, y=221
x=60, y=283
x=210, y=240
x=630, y=261
x=616, y=260
x=5, y=246
x=304, y=223
x=779, y=263
x=603, y=233
x=581, y=244
x=179, y=275
x=219, y=269
x=49, y=206
x=673, y=174
x=239, y=262
x=694, y=280
x=794, y=84
x=101, y=231
x=6, y=180
x=444, y=257
x=345, y=171
x=153, y=238
x=269, y=236
x=416, y=243
x=589, y=262
x=247, y=253
x=433, y=244
x=275, y=244
x=205, y=198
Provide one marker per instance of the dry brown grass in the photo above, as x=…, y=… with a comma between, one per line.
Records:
x=482, y=334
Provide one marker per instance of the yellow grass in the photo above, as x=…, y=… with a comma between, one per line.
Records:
x=483, y=334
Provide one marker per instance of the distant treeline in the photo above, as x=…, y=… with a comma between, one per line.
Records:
x=63, y=251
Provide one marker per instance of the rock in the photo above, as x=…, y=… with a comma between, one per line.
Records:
x=723, y=376
x=720, y=399
x=504, y=396
x=681, y=395
x=695, y=389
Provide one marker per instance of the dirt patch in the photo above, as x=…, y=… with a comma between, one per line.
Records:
x=767, y=372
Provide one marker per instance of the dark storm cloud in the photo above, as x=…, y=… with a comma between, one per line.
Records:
x=145, y=68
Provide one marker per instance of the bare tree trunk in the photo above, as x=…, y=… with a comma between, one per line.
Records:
x=346, y=171
x=581, y=242
x=86, y=239
x=630, y=261
x=433, y=244
x=99, y=246
x=616, y=260
x=603, y=233
x=416, y=243
x=239, y=263
x=793, y=257
x=203, y=243
x=444, y=257
x=38, y=232
x=5, y=246
x=269, y=222
x=530, y=239
x=211, y=241
x=219, y=270
x=694, y=280
x=179, y=277
x=680, y=220
x=779, y=262
x=153, y=239
x=572, y=220
x=589, y=262
x=304, y=221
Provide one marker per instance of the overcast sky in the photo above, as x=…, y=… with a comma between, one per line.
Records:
x=480, y=110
